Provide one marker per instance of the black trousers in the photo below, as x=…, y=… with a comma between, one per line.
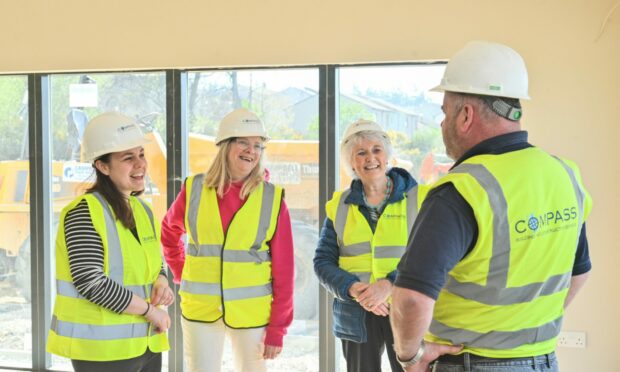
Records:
x=147, y=362
x=366, y=357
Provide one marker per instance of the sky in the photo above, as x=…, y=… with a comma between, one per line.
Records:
x=411, y=79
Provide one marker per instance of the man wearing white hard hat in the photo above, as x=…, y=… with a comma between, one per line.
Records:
x=499, y=248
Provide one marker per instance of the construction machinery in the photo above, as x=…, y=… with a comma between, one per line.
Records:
x=291, y=163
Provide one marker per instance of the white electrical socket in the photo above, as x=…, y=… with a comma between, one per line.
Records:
x=572, y=339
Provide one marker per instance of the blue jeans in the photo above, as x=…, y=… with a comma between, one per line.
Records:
x=472, y=363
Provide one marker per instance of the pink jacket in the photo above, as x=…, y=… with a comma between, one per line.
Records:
x=282, y=263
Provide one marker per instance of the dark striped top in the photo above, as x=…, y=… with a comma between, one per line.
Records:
x=85, y=250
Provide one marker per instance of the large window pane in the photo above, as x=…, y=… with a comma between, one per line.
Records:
x=287, y=102
x=397, y=98
x=15, y=319
x=77, y=98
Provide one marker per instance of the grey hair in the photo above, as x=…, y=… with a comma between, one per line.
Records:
x=346, y=148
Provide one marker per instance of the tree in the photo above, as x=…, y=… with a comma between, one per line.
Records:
x=424, y=141
x=350, y=112
x=234, y=88
x=133, y=94
x=313, y=129
x=13, y=117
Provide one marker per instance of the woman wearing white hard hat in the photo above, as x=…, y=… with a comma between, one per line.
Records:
x=236, y=274
x=361, y=242
x=109, y=271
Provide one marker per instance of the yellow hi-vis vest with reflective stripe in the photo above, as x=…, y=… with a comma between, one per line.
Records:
x=370, y=256
x=228, y=275
x=83, y=330
x=505, y=299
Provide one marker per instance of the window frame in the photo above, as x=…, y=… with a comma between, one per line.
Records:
x=176, y=144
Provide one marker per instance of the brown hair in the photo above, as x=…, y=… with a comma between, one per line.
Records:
x=109, y=191
x=218, y=175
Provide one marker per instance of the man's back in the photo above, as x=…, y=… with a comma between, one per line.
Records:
x=528, y=207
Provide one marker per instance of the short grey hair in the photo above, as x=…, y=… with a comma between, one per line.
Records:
x=346, y=148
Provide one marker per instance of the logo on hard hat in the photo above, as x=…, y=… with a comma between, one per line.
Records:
x=250, y=121
x=125, y=128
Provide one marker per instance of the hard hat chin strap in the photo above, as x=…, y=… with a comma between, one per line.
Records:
x=503, y=108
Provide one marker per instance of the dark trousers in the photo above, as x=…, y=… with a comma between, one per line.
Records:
x=147, y=362
x=366, y=357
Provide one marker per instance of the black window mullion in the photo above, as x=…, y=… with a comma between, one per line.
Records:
x=40, y=214
x=328, y=166
x=176, y=143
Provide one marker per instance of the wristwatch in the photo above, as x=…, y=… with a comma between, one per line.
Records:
x=414, y=360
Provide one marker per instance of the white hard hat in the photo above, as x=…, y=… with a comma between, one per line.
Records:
x=360, y=126
x=240, y=123
x=488, y=69
x=110, y=132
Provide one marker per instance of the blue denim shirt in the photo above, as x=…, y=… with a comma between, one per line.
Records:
x=349, y=316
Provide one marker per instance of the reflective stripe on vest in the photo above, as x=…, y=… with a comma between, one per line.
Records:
x=115, y=255
x=227, y=253
x=230, y=294
x=115, y=264
x=363, y=276
x=99, y=332
x=498, y=339
x=358, y=249
x=214, y=250
x=362, y=248
x=149, y=213
x=495, y=292
x=199, y=250
x=412, y=206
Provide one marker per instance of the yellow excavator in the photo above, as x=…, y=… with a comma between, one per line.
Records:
x=292, y=163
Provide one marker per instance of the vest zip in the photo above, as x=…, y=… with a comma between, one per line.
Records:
x=136, y=234
x=222, y=263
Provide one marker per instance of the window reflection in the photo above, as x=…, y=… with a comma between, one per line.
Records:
x=397, y=98
x=75, y=99
x=15, y=314
x=286, y=100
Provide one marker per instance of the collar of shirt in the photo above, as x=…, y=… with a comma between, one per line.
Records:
x=497, y=145
x=402, y=182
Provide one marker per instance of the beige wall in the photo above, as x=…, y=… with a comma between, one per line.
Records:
x=574, y=77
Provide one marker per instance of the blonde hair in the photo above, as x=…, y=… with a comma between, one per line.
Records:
x=218, y=175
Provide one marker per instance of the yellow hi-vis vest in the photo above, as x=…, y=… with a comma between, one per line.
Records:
x=228, y=275
x=370, y=256
x=83, y=330
x=505, y=299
